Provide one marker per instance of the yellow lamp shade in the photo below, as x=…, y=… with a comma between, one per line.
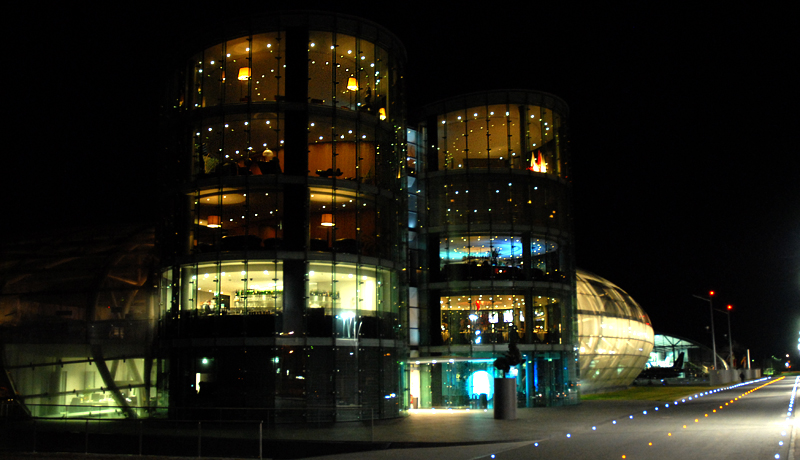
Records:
x=352, y=84
x=213, y=222
x=244, y=73
x=382, y=113
x=327, y=220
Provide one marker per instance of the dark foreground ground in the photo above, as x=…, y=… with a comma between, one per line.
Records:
x=593, y=429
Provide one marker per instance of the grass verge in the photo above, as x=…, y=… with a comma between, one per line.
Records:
x=647, y=393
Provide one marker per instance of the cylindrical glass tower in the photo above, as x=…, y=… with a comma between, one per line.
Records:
x=494, y=171
x=284, y=296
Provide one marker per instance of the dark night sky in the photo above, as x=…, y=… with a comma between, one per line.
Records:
x=684, y=175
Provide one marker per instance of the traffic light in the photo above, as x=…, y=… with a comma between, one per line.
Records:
x=730, y=307
x=711, y=293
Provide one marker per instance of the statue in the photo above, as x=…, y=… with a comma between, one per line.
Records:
x=512, y=358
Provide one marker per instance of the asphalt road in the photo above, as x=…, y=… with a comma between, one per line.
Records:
x=749, y=423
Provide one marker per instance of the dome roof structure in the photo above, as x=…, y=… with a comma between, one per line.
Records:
x=614, y=332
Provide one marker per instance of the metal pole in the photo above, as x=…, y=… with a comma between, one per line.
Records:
x=730, y=341
x=140, y=438
x=199, y=438
x=372, y=425
x=713, y=337
x=261, y=440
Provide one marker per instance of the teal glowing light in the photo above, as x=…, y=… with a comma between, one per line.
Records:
x=481, y=382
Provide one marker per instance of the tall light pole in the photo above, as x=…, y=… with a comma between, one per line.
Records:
x=730, y=340
x=711, y=309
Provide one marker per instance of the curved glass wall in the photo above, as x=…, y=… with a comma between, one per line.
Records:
x=240, y=70
x=480, y=319
x=78, y=315
x=230, y=219
x=347, y=72
x=344, y=71
x=238, y=145
x=253, y=145
x=496, y=198
x=615, y=334
x=340, y=220
x=457, y=382
x=500, y=136
x=342, y=300
x=500, y=257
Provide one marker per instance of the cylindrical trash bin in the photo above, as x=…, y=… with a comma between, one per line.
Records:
x=505, y=398
x=483, y=401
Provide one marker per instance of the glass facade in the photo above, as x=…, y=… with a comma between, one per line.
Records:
x=352, y=86
x=290, y=288
x=340, y=297
x=288, y=262
x=615, y=335
x=493, y=171
x=468, y=383
x=502, y=136
x=78, y=325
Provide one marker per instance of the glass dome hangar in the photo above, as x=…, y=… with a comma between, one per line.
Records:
x=614, y=332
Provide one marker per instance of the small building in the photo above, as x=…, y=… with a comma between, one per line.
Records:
x=697, y=365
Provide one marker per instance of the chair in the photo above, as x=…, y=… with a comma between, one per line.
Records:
x=273, y=243
x=347, y=245
x=270, y=167
x=240, y=242
x=317, y=244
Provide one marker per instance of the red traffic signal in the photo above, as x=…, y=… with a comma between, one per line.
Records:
x=711, y=293
x=730, y=307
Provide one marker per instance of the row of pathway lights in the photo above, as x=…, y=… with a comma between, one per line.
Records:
x=788, y=415
x=700, y=395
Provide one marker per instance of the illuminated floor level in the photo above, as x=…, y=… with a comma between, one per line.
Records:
x=467, y=383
